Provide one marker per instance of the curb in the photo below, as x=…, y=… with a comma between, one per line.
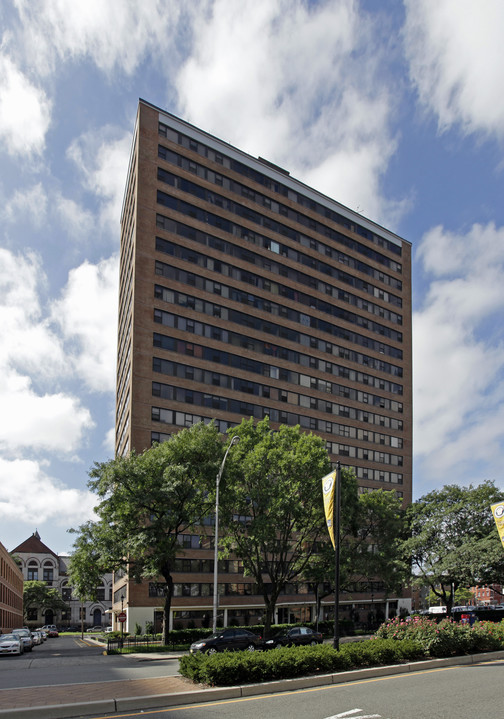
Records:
x=110, y=706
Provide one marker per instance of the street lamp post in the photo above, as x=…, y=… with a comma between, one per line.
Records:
x=337, y=540
x=234, y=440
x=122, y=623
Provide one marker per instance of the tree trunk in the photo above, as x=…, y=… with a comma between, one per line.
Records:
x=269, y=614
x=166, y=609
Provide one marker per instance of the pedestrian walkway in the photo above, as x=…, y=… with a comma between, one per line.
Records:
x=38, y=697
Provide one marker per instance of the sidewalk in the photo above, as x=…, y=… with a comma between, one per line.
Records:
x=80, y=700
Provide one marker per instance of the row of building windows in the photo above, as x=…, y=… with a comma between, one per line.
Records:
x=184, y=419
x=267, y=263
x=179, y=394
x=250, y=300
x=9, y=574
x=10, y=598
x=275, y=288
x=378, y=475
x=33, y=575
x=263, y=179
x=202, y=566
x=213, y=309
x=268, y=348
x=102, y=594
x=247, y=364
x=278, y=208
x=248, y=409
x=266, y=305
x=240, y=384
x=183, y=207
x=227, y=589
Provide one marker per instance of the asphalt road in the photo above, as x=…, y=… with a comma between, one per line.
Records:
x=67, y=660
x=463, y=692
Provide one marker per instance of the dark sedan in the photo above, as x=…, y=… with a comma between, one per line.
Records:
x=297, y=636
x=228, y=639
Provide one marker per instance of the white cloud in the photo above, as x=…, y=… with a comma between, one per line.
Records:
x=49, y=422
x=455, y=48
x=25, y=111
x=32, y=496
x=35, y=414
x=109, y=442
x=78, y=222
x=30, y=202
x=459, y=350
x=298, y=84
x=102, y=159
x=87, y=315
x=115, y=36
x=28, y=343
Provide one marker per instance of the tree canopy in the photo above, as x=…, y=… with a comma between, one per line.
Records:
x=146, y=501
x=271, y=504
x=453, y=540
x=371, y=526
x=38, y=595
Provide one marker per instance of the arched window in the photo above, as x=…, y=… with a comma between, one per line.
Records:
x=32, y=575
x=48, y=572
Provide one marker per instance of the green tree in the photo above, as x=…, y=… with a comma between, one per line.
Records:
x=453, y=541
x=271, y=505
x=375, y=553
x=85, y=567
x=146, y=501
x=37, y=595
x=319, y=570
x=464, y=596
x=372, y=525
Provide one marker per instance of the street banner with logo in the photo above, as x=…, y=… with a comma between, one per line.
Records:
x=498, y=514
x=328, y=485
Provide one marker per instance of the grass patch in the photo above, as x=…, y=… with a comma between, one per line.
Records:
x=150, y=649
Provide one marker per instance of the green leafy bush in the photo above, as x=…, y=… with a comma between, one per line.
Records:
x=396, y=641
x=230, y=668
x=445, y=638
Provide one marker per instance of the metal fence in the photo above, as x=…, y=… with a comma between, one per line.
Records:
x=128, y=641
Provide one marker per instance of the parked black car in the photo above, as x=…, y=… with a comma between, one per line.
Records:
x=228, y=639
x=297, y=636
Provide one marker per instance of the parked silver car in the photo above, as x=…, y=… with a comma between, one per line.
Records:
x=26, y=638
x=11, y=644
x=37, y=637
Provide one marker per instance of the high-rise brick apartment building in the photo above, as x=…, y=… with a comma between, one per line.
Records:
x=244, y=292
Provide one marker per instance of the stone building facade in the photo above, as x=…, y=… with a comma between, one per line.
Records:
x=39, y=563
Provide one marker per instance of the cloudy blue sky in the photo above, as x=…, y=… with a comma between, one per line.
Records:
x=394, y=108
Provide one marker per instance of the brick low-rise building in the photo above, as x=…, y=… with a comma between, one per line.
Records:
x=11, y=592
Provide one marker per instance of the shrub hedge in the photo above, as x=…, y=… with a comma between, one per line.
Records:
x=231, y=668
x=396, y=641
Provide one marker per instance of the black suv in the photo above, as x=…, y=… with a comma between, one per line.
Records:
x=230, y=639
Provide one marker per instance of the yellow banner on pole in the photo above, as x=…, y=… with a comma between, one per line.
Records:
x=498, y=515
x=328, y=485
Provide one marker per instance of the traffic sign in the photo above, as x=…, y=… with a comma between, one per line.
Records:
x=121, y=617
